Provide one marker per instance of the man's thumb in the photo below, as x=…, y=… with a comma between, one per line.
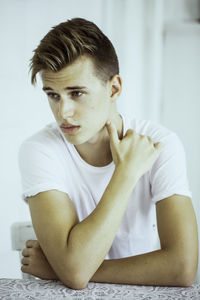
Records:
x=112, y=131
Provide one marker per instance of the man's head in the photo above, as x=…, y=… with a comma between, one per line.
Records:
x=68, y=41
x=79, y=69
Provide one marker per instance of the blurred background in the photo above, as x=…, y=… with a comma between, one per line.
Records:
x=158, y=45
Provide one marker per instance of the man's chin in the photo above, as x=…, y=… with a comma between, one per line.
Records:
x=80, y=139
x=77, y=140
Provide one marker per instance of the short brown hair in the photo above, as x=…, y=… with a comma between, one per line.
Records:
x=67, y=41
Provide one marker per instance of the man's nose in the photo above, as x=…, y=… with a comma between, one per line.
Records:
x=66, y=107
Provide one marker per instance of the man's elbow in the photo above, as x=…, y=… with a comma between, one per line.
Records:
x=186, y=275
x=72, y=273
x=186, y=280
x=75, y=282
x=73, y=277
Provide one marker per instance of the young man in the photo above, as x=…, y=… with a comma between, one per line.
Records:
x=98, y=184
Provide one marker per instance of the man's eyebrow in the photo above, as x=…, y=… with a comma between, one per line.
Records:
x=75, y=87
x=46, y=88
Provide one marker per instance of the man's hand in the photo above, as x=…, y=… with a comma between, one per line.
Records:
x=136, y=153
x=35, y=262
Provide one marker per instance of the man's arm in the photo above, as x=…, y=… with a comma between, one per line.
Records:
x=74, y=249
x=175, y=264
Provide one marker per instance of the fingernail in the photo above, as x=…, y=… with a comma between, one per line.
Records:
x=108, y=122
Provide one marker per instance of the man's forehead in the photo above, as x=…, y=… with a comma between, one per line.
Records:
x=78, y=73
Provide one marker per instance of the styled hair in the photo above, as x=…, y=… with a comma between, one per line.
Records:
x=64, y=43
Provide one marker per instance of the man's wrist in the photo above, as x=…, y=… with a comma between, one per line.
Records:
x=130, y=176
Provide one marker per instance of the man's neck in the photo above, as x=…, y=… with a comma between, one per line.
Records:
x=99, y=154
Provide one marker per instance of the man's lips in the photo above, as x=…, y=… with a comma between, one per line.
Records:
x=71, y=129
x=69, y=126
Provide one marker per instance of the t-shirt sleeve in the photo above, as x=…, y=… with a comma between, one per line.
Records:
x=40, y=170
x=168, y=175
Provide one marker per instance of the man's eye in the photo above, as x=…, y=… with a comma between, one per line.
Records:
x=76, y=94
x=53, y=96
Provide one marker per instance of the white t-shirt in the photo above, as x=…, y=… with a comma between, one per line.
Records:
x=48, y=161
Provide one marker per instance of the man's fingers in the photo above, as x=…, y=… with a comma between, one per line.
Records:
x=112, y=131
x=25, y=268
x=25, y=261
x=25, y=252
x=29, y=243
x=32, y=243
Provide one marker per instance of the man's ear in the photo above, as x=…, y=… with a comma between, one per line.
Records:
x=116, y=86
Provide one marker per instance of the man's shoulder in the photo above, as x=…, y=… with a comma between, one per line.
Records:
x=48, y=134
x=47, y=139
x=155, y=130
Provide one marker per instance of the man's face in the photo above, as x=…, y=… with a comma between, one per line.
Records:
x=76, y=96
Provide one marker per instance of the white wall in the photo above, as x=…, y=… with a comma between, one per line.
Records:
x=148, y=67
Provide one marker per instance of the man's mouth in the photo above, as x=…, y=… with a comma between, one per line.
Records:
x=70, y=129
x=67, y=125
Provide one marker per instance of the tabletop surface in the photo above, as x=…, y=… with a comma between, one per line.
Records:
x=54, y=289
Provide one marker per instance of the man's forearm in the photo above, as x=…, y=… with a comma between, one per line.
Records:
x=90, y=240
x=159, y=267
